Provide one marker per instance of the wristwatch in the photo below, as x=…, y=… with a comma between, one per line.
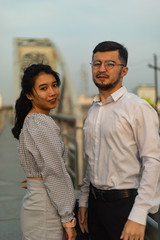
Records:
x=70, y=224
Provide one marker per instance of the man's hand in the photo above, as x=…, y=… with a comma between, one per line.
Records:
x=82, y=218
x=133, y=231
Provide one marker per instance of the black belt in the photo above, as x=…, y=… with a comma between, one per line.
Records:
x=113, y=194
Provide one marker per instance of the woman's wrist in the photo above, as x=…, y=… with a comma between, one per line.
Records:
x=70, y=224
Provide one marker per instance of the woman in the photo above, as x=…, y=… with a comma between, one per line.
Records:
x=47, y=208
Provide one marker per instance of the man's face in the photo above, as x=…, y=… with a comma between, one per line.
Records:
x=109, y=72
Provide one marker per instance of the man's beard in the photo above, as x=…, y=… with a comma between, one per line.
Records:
x=107, y=86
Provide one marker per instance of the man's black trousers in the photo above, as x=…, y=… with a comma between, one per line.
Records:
x=106, y=219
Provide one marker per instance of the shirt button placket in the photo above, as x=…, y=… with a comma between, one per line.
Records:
x=97, y=135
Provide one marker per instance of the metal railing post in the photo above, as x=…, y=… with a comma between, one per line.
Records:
x=159, y=224
x=79, y=140
x=74, y=141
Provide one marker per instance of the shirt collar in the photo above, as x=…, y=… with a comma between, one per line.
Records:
x=114, y=96
x=119, y=93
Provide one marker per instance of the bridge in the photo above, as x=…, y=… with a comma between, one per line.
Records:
x=29, y=51
x=69, y=116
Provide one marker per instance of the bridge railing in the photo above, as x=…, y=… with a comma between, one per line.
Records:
x=153, y=227
x=6, y=115
x=72, y=133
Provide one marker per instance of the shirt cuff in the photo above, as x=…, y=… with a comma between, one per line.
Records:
x=68, y=218
x=83, y=202
x=138, y=215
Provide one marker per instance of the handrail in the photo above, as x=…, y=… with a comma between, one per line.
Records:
x=72, y=133
x=152, y=222
x=64, y=117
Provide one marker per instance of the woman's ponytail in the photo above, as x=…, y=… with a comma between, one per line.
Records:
x=22, y=108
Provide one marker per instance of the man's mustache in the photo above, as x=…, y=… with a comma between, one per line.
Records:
x=102, y=75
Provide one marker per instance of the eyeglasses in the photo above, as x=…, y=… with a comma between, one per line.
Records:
x=96, y=64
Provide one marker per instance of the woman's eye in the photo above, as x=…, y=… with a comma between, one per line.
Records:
x=44, y=88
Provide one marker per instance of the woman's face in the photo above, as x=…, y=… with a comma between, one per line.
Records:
x=45, y=93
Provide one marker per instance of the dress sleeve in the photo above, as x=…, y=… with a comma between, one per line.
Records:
x=46, y=136
x=146, y=127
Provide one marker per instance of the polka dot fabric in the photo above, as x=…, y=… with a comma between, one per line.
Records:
x=43, y=154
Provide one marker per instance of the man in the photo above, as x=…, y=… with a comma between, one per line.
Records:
x=122, y=150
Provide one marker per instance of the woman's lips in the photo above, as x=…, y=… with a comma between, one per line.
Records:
x=53, y=101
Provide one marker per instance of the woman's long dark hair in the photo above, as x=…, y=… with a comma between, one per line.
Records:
x=23, y=104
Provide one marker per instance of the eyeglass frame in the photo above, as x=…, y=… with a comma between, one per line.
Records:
x=106, y=65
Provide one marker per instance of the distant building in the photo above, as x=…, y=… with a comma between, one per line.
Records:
x=147, y=92
x=29, y=51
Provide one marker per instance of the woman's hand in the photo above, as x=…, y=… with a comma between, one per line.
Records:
x=70, y=233
x=24, y=186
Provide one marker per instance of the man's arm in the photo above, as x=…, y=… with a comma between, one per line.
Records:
x=83, y=204
x=146, y=125
x=83, y=218
x=145, y=128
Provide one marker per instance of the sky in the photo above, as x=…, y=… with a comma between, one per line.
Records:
x=76, y=27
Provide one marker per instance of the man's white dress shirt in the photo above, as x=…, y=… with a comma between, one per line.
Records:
x=122, y=149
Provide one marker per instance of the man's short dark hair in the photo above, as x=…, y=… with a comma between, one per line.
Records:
x=107, y=46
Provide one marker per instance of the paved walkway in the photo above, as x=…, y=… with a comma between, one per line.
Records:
x=11, y=192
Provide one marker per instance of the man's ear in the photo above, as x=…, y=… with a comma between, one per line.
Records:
x=29, y=96
x=124, y=71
